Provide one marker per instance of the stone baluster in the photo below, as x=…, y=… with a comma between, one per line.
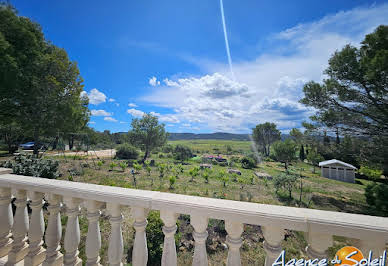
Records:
x=36, y=253
x=140, y=251
x=169, y=257
x=54, y=232
x=199, y=223
x=318, y=243
x=272, y=245
x=375, y=244
x=19, y=230
x=234, y=241
x=115, y=249
x=72, y=234
x=6, y=221
x=93, y=238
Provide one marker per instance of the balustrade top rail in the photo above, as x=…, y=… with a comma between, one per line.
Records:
x=300, y=219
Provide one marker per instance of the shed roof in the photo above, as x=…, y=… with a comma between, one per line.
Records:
x=335, y=161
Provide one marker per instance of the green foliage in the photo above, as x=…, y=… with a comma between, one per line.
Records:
x=123, y=166
x=162, y=169
x=182, y=153
x=248, y=163
x=147, y=134
x=155, y=238
x=285, y=151
x=314, y=158
x=353, y=98
x=126, y=152
x=148, y=167
x=377, y=197
x=137, y=167
x=371, y=173
x=112, y=165
x=194, y=172
x=206, y=174
x=302, y=156
x=223, y=176
x=40, y=88
x=286, y=182
x=29, y=165
x=168, y=148
x=172, y=181
x=264, y=135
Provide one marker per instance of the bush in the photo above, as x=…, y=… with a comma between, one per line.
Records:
x=377, y=197
x=182, y=153
x=371, y=173
x=29, y=165
x=155, y=238
x=248, y=163
x=126, y=151
x=167, y=148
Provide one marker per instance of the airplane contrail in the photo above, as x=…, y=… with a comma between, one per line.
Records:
x=226, y=40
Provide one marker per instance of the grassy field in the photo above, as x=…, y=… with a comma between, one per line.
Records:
x=317, y=192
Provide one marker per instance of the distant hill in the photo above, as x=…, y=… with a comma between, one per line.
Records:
x=217, y=135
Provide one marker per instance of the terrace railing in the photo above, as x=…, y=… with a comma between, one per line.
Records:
x=22, y=237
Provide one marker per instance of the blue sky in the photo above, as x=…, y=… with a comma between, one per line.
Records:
x=169, y=57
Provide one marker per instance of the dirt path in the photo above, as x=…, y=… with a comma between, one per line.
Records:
x=91, y=154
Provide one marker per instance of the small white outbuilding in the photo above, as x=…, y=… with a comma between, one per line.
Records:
x=338, y=170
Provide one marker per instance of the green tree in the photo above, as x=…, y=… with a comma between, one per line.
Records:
x=356, y=88
x=285, y=151
x=264, y=135
x=40, y=87
x=302, y=155
x=286, y=182
x=314, y=158
x=147, y=134
x=353, y=99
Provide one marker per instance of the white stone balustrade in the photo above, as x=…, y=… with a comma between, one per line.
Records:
x=15, y=229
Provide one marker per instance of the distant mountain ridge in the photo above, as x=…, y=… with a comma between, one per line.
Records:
x=217, y=135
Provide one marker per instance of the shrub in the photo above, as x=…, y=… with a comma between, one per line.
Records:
x=123, y=166
x=167, y=148
x=371, y=173
x=377, y=197
x=155, y=238
x=247, y=163
x=31, y=166
x=172, y=180
x=112, y=165
x=126, y=151
x=182, y=153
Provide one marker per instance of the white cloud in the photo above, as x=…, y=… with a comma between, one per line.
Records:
x=135, y=112
x=132, y=105
x=100, y=113
x=122, y=122
x=111, y=100
x=154, y=82
x=92, y=122
x=110, y=119
x=168, y=118
x=95, y=96
x=269, y=87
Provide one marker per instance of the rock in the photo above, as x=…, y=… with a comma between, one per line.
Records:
x=234, y=171
x=182, y=249
x=205, y=165
x=224, y=246
x=262, y=175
